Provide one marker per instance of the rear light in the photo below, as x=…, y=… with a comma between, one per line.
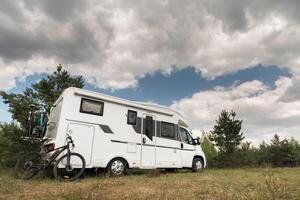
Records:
x=52, y=147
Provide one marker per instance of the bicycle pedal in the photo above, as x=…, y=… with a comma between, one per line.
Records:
x=66, y=177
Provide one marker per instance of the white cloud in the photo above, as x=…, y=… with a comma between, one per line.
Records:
x=19, y=70
x=260, y=108
x=114, y=43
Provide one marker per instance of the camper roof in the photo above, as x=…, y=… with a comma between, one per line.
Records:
x=150, y=107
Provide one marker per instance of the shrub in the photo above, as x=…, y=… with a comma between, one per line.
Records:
x=12, y=146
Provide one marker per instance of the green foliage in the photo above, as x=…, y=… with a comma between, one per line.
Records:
x=280, y=153
x=233, y=152
x=19, y=104
x=209, y=149
x=46, y=91
x=295, y=151
x=226, y=133
x=245, y=155
x=11, y=144
x=227, y=136
x=263, y=154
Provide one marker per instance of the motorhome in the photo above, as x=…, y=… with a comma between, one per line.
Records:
x=117, y=134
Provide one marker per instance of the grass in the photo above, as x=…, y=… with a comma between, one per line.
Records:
x=256, y=183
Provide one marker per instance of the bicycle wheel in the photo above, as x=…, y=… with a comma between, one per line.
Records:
x=69, y=172
x=28, y=166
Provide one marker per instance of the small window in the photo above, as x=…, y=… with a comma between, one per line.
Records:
x=91, y=107
x=131, y=117
x=167, y=130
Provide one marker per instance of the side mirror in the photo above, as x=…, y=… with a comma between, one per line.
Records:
x=197, y=141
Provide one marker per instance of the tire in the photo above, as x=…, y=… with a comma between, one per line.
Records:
x=117, y=167
x=71, y=174
x=197, y=165
x=28, y=166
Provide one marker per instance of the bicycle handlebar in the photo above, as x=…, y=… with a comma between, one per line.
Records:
x=70, y=139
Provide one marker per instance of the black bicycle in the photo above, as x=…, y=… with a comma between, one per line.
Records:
x=68, y=167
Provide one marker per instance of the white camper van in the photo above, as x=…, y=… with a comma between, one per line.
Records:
x=117, y=134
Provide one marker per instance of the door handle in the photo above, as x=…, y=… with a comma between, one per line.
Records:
x=144, y=140
x=181, y=145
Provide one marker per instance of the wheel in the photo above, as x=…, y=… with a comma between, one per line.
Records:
x=69, y=172
x=28, y=166
x=117, y=167
x=197, y=165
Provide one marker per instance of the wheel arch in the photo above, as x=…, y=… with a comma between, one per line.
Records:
x=119, y=157
x=201, y=158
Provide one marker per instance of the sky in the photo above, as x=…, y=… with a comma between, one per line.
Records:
x=197, y=57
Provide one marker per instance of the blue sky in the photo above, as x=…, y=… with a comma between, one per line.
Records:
x=245, y=55
x=164, y=89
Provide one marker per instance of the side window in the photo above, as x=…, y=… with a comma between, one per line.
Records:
x=149, y=127
x=185, y=136
x=131, y=117
x=189, y=138
x=167, y=130
x=91, y=107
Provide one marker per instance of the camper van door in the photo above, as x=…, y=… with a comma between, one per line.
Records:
x=148, y=141
x=83, y=137
x=187, y=147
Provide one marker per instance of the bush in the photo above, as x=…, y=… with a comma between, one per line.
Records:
x=12, y=146
x=209, y=150
x=279, y=153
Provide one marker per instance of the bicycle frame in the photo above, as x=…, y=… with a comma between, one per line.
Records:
x=57, y=151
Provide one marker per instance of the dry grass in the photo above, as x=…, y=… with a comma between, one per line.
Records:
x=211, y=184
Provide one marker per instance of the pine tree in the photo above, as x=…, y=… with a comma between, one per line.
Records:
x=44, y=92
x=226, y=132
x=48, y=89
x=263, y=153
x=283, y=152
x=295, y=151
